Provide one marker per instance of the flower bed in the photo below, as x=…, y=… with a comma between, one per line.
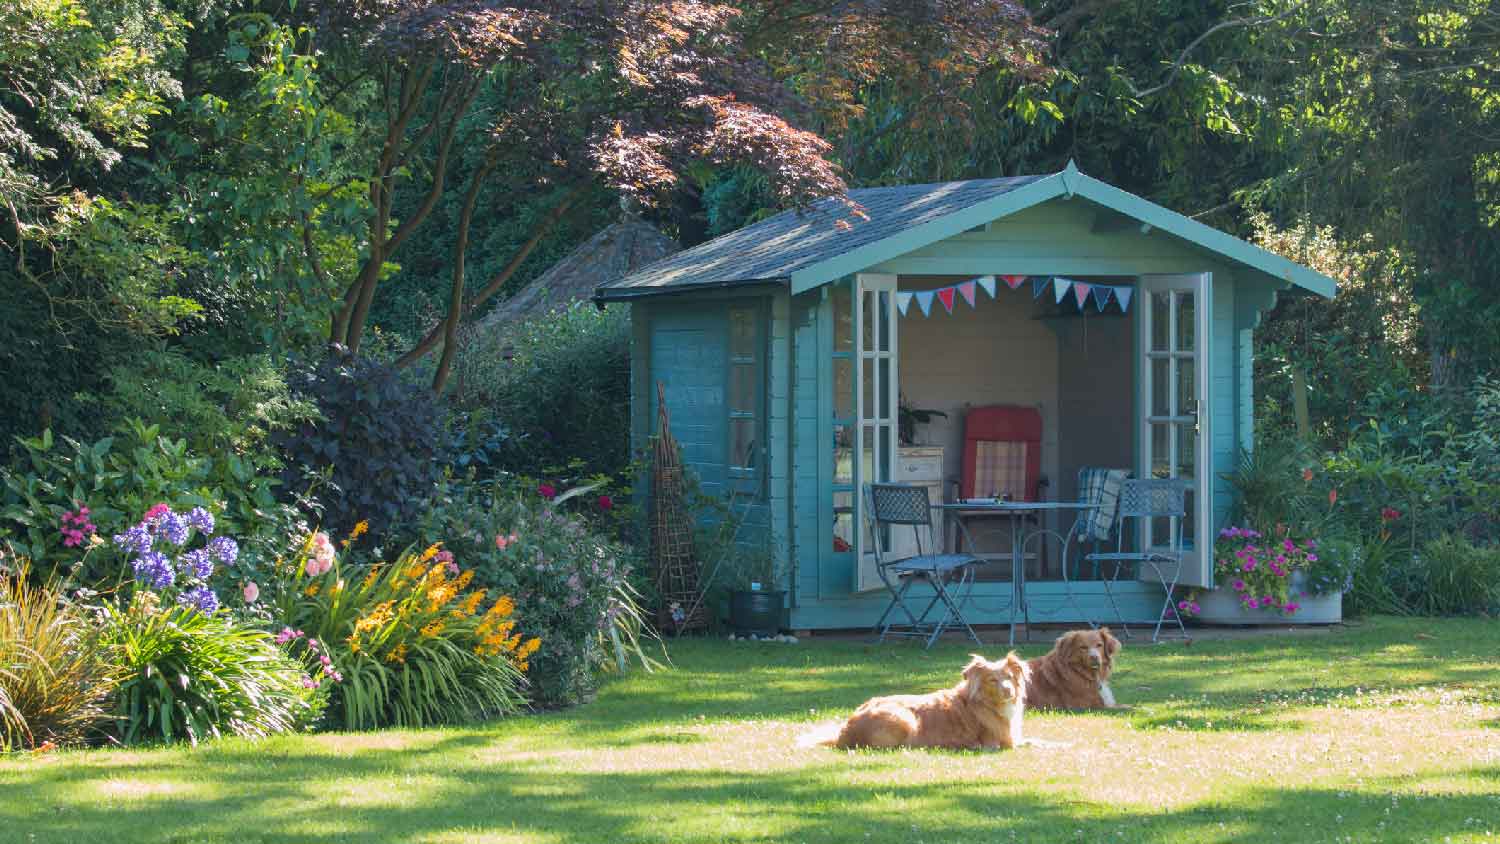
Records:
x=1268, y=580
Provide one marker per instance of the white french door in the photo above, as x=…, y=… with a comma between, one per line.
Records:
x=1173, y=321
x=876, y=394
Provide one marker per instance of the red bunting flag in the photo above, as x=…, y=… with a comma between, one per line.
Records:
x=946, y=295
x=1081, y=292
x=1013, y=281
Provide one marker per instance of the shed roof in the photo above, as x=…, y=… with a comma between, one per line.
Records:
x=807, y=248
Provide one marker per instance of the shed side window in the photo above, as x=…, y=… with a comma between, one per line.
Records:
x=745, y=399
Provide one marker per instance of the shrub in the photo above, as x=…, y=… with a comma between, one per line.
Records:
x=1448, y=576
x=55, y=676
x=381, y=438
x=570, y=582
x=109, y=482
x=559, y=385
x=409, y=643
x=193, y=676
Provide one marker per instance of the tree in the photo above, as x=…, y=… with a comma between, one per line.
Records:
x=607, y=96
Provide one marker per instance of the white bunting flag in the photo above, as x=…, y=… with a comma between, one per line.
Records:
x=924, y=301
x=988, y=283
x=1060, y=288
x=903, y=301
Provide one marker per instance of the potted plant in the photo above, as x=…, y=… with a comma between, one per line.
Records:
x=756, y=599
x=1272, y=579
x=908, y=418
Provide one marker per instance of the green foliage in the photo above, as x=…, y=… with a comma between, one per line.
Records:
x=55, y=675
x=559, y=385
x=413, y=645
x=381, y=436
x=192, y=676
x=571, y=583
x=117, y=478
x=227, y=408
x=1450, y=576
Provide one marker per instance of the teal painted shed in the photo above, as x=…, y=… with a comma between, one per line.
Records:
x=784, y=349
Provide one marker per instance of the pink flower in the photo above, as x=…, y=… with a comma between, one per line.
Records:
x=1333, y=497
x=1389, y=514
x=155, y=511
x=1312, y=558
x=1307, y=474
x=606, y=503
x=252, y=593
x=502, y=541
x=1252, y=603
x=1182, y=605
x=1288, y=546
x=547, y=491
x=1248, y=566
x=1193, y=607
x=322, y=555
x=1239, y=585
x=1292, y=607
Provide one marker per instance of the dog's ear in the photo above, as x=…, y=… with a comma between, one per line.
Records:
x=1014, y=665
x=1111, y=644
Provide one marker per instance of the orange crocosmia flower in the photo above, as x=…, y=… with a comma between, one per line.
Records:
x=431, y=551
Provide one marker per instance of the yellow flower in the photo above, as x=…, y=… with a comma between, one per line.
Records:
x=431, y=551
x=359, y=530
x=433, y=628
x=471, y=603
x=353, y=641
x=311, y=590
x=370, y=578
x=378, y=617
x=529, y=648
x=502, y=608
x=397, y=655
x=463, y=580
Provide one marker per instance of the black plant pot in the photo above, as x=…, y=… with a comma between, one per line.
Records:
x=755, y=612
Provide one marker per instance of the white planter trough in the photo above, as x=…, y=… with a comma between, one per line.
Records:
x=1222, y=606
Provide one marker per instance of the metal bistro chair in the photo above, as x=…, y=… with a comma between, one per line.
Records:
x=894, y=505
x=1148, y=500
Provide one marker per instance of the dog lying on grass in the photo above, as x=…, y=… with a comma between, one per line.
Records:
x=982, y=712
x=1075, y=673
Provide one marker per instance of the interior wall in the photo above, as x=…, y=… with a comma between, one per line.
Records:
x=1096, y=396
x=993, y=353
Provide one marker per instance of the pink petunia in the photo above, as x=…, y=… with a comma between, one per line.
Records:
x=547, y=491
x=1239, y=585
x=252, y=593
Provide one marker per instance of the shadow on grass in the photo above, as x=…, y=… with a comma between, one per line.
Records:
x=439, y=793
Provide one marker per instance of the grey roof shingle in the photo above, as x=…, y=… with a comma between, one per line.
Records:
x=773, y=249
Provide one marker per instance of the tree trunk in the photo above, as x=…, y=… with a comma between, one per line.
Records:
x=450, y=325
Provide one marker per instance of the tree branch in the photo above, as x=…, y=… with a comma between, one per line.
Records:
x=455, y=301
x=1182, y=57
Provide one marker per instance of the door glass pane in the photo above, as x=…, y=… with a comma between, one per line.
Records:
x=885, y=404
x=868, y=320
x=843, y=388
x=843, y=454
x=1186, y=324
x=885, y=453
x=742, y=444
x=1160, y=320
x=1161, y=460
x=883, y=320
x=868, y=457
x=843, y=318
x=1187, y=389
x=1161, y=383
x=742, y=333
x=742, y=392
x=1189, y=522
x=868, y=366
x=843, y=521
x=1187, y=444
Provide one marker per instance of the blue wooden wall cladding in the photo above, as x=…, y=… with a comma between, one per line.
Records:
x=688, y=350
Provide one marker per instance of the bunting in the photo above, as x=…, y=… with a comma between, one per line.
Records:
x=924, y=301
x=1082, y=291
x=903, y=301
x=967, y=291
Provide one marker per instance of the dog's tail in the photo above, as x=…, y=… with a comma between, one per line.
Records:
x=824, y=735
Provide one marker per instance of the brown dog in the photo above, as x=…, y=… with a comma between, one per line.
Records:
x=1075, y=673
x=982, y=711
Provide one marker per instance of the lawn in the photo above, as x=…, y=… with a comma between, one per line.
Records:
x=1388, y=730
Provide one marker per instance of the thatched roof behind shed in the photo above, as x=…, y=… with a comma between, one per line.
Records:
x=619, y=249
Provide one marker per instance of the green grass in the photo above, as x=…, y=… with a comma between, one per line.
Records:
x=1384, y=731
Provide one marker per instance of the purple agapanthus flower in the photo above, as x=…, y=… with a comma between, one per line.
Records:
x=224, y=549
x=199, y=562
x=173, y=527
x=153, y=569
x=201, y=520
x=137, y=540
x=200, y=598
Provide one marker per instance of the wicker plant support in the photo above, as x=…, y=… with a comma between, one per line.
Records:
x=674, y=560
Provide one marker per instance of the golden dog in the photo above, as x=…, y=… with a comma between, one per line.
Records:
x=982, y=711
x=1075, y=673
